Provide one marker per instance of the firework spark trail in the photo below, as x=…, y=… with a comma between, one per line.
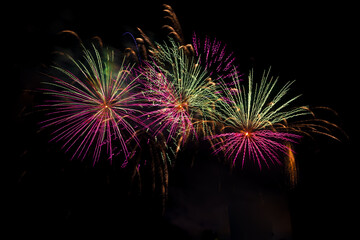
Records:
x=214, y=57
x=254, y=117
x=290, y=165
x=93, y=105
x=174, y=27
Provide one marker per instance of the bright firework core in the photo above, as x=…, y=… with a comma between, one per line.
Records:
x=181, y=106
x=246, y=133
x=106, y=105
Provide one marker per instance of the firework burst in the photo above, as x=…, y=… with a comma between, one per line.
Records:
x=253, y=121
x=179, y=93
x=93, y=104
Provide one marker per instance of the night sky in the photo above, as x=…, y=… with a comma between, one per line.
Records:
x=51, y=195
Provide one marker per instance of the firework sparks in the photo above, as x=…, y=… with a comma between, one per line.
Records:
x=93, y=104
x=215, y=58
x=252, y=121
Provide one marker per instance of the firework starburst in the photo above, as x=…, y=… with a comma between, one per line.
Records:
x=93, y=105
x=253, y=119
x=179, y=93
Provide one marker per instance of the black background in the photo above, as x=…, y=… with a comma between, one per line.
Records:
x=312, y=43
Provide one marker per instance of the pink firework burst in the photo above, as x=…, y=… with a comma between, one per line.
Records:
x=93, y=105
x=179, y=93
x=261, y=146
x=255, y=121
x=169, y=108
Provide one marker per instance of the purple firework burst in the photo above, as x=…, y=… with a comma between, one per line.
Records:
x=261, y=146
x=168, y=108
x=255, y=121
x=93, y=105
